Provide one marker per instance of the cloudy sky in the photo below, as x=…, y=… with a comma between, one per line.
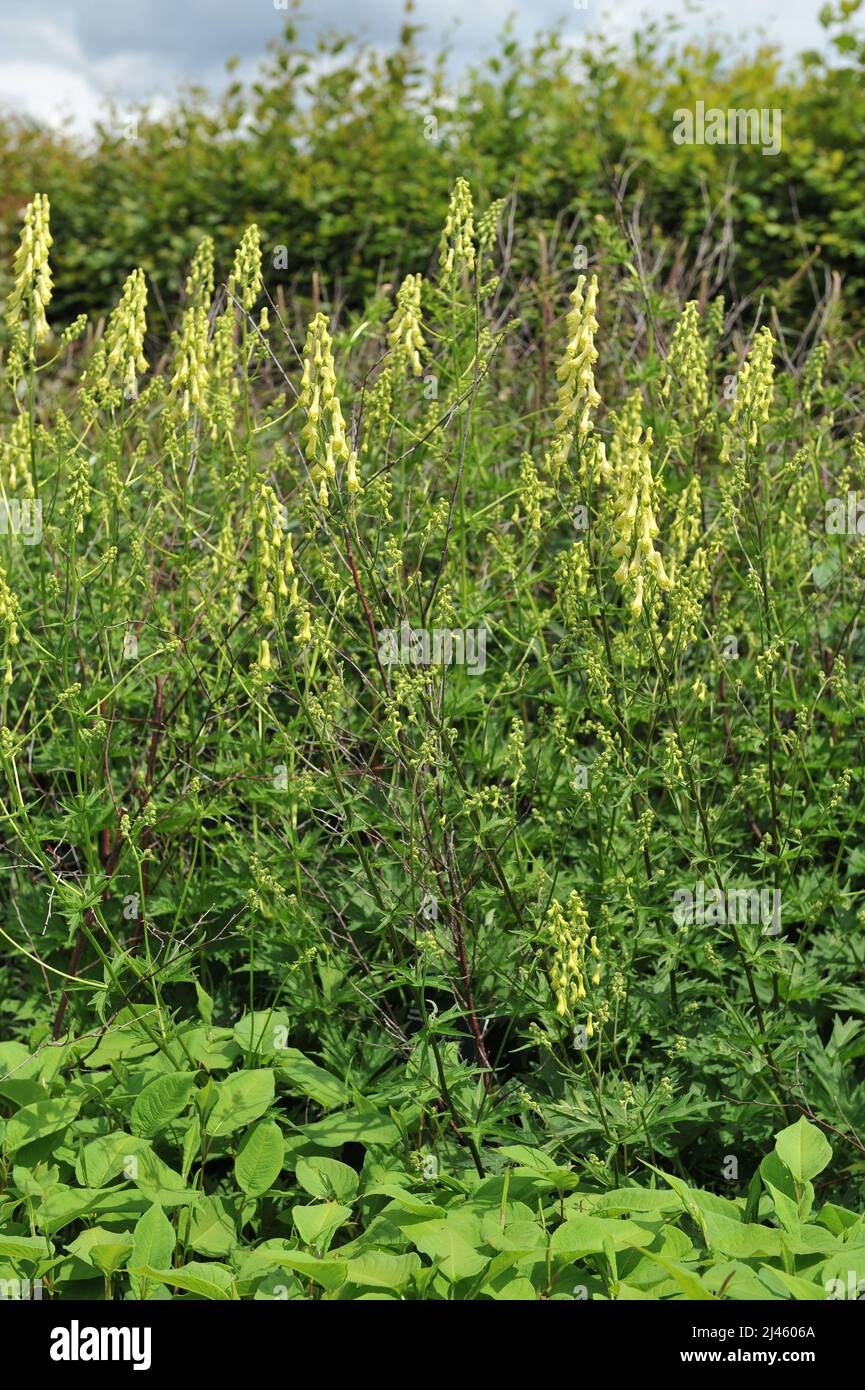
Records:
x=60, y=59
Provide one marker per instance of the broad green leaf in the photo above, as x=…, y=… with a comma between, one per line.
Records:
x=585, y=1235
x=380, y=1269
x=263, y=1032
x=161, y=1101
x=240, y=1099
x=456, y=1243
x=733, y=1239
x=64, y=1205
x=259, y=1158
x=687, y=1281
x=24, y=1249
x=106, y=1250
x=804, y=1149
x=36, y=1121
x=330, y=1273
x=317, y=1223
x=309, y=1079
x=791, y=1285
x=351, y=1127
x=106, y=1158
x=792, y=1201
x=326, y=1177
x=154, y=1242
x=209, y=1281
x=211, y=1229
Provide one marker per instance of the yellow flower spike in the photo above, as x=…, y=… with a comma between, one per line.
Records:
x=124, y=336
x=577, y=397
x=590, y=1027
x=191, y=370
x=33, y=284
x=319, y=400
x=457, y=248
x=199, y=283
x=686, y=362
x=245, y=279
x=569, y=936
x=405, y=335
x=754, y=395
x=634, y=525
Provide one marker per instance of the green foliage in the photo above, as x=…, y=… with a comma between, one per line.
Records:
x=343, y=157
x=430, y=795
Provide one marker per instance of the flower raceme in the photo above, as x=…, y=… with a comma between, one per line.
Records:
x=324, y=417
x=753, y=400
x=635, y=526
x=189, y=382
x=577, y=396
x=33, y=285
x=405, y=338
x=686, y=363
x=245, y=281
x=576, y=955
x=457, y=248
x=124, y=335
x=406, y=344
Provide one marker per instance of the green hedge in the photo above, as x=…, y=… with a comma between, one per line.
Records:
x=331, y=153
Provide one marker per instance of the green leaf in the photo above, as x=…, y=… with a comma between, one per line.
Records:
x=317, y=1223
x=456, y=1243
x=36, y=1121
x=24, y=1249
x=309, y=1079
x=240, y=1099
x=259, y=1158
x=379, y=1269
x=585, y=1235
x=352, y=1128
x=804, y=1149
x=263, y=1032
x=205, y=1004
x=153, y=1244
x=103, y=1159
x=791, y=1285
x=210, y=1281
x=160, y=1102
x=326, y=1177
x=330, y=1273
x=687, y=1281
x=211, y=1229
x=106, y=1250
